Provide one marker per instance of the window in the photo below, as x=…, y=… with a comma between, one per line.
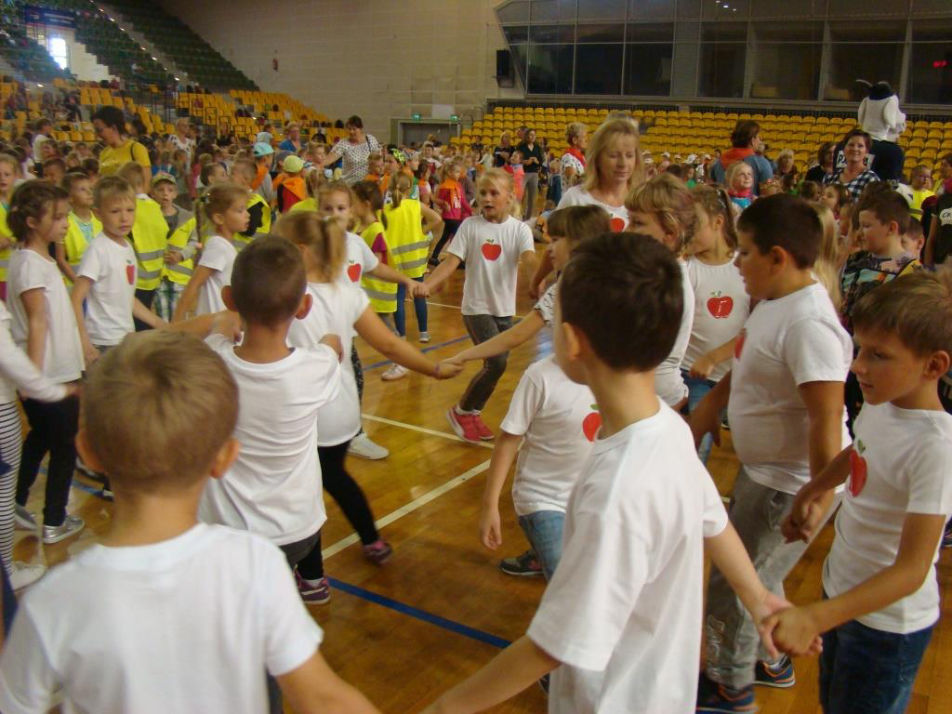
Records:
x=58, y=51
x=871, y=52
x=723, y=54
x=786, y=60
x=550, y=69
x=598, y=69
x=930, y=63
x=648, y=54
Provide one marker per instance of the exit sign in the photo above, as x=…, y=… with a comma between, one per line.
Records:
x=417, y=116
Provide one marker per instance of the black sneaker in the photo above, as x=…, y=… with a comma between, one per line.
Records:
x=714, y=698
x=778, y=675
x=947, y=535
x=525, y=565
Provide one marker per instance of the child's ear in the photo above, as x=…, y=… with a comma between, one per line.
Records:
x=224, y=458
x=228, y=298
x=572, y=339
x=85, y=451
x=778, y=256
x=305, y=307
x=937, y=365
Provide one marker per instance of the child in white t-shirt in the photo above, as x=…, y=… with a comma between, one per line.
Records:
x=663, y=208
x=104, y=294
x=226, y=207
x=620, y=622
x=492, y=245
x=340, y=307
x=273, y=488
x=787, y=423
x=882, y=596
x=44, y=326
x=721, y=303
x=229, y=593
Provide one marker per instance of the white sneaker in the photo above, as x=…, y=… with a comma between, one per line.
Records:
x=394, y=373
x=24, y=519
x=424, y=337
x=25, y=574
x=68, y=528
x=362, y=446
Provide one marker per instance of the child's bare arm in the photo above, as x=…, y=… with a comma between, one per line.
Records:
x=315, y=687
x=809, y=506
x=516, y=335
x=188, y=301
x=541, y=273
x=706, y=417
x=385, y=272
x=504, y=454
x=794, y=629
x=824, y=403
x=529, y=262
x=34, y=304
x=512, y=670
x=61, y=262
x=432, y=221
x=705, y=364
x=444, y=271
x=371, y=328
x=141, y=312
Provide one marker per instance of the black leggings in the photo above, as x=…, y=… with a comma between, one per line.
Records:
x=450, y=226
x=53, y=428
x=352, y=501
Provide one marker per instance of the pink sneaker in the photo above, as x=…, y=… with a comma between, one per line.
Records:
x=313, y=592
x=378, y=553
x=485, y=433
x=464, y=425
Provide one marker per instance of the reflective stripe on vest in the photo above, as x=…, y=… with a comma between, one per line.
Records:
x=408, y=245
x=410, y=248
x=413, y=264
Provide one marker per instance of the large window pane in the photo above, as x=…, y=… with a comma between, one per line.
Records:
x=552, y=33
x=650, y=32
x=602, y=9
x=786, y=70
x=870, y=51
x=550, y=69
x=651, y=9
x=614, y=32
x=516, y=33
x=930, y=73
x=598, y=69
x=722, y=69
x=553, y=11
x=648, y=69
x=520, y=55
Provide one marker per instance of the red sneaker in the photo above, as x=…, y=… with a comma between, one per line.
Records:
x=485, y=433
x=464, y=425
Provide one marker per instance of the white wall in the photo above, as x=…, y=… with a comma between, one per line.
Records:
x=380, y=59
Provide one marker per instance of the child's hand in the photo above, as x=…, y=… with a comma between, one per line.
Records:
x=795, y=631
x=333, y=341
x=448, y=368
x=762, y=613
x=702, y=367
x=90, y=353
x=805, y=516
x=421, y=290
x=430, y=289
x=490, y=528
x=173, y=257
x=227, y=323
x=705, y=419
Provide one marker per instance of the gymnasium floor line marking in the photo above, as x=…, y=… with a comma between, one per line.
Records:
x=412, y=506
x=428, y=348
x=428, y=617
x=424, y=430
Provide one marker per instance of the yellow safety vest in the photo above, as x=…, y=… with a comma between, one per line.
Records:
x=6, y=252
x=307, y=204
x=240, y=240
x=409, y=247
x=382, y=293
x=149, y=240
x=181, y=273
x=75, y=242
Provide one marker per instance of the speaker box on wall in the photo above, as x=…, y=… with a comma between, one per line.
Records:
x=504, y=76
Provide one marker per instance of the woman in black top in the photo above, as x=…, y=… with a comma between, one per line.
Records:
x=532, y=161
x=825, y=162
x=502, y=152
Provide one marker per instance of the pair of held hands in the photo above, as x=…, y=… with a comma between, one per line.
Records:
x=783, y=627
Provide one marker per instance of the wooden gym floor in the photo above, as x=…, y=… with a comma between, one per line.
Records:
x=440, y=608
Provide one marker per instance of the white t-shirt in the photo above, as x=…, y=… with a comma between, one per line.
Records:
x=578, y=196
x=902, y=464
x=669, y=384
x=721, y=306
x=112, y=268
x=360, y=260
x=623, y=610
x=18, y=372
x=559, y=420
x=187, y=625
x=63, y=360
x=274, y=487
x=785, y=343
x=491, y=252
x=335, y=309
x=546, y=305
x=219, y=256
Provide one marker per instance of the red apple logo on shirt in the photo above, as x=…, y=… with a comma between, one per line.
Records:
x=491, y=250
x=739, y=344
x=617, y=224
x=591, y=424
x=720, y=305
x=353, y=272
x=857, y=469
x=131, y=273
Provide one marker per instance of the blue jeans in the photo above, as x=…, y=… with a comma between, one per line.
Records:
x=867, y=671
x=544, y=531
x=419, y=306
x=697, y=388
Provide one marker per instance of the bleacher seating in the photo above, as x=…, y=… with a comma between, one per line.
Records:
x=23, y=53
x=180, y=44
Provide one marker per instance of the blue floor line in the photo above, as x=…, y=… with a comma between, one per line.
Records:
x=428, y=617
x=430, y=348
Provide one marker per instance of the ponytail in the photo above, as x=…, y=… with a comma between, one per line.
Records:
x=400, y=189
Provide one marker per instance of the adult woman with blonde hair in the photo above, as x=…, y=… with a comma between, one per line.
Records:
x=614, y=168
x=502, y=152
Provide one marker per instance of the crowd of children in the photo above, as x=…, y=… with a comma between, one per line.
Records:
x=813, y=319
